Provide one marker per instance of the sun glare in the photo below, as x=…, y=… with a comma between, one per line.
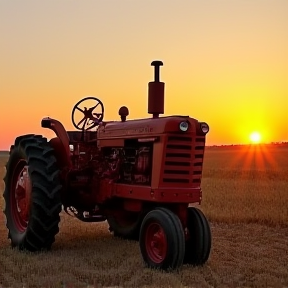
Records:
x=255, y=137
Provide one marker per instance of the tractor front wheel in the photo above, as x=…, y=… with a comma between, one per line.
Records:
x=198, y=243
x=162, y=240
x=32, y=194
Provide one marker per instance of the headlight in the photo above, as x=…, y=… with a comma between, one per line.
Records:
x=183, y=126
x=204, y=127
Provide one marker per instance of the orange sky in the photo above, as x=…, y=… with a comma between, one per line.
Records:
x=225, y=62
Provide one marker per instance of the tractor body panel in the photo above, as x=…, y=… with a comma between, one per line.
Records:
x=164, y=163
x=146, y=159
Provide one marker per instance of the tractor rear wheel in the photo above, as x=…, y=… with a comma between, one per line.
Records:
x=162, y=241
x=198, y=244
x=32, y=194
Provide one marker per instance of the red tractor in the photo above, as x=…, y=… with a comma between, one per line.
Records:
x=138, y=175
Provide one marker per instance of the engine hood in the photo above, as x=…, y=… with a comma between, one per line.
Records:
x=145, y=127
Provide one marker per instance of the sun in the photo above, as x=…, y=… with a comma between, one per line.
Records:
x=255, y=137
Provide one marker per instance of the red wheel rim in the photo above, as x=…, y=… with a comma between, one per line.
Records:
x=156, y=243
x=20, y=196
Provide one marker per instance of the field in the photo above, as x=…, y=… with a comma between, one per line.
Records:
x=245, y=197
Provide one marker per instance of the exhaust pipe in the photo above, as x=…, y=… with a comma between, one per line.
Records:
x=156, y=92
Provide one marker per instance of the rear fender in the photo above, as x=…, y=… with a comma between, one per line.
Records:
x=60, y=143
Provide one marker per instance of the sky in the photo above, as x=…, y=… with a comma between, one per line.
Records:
x=225, y=63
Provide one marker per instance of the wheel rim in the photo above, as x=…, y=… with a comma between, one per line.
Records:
x=20, y=196
x=156, y=243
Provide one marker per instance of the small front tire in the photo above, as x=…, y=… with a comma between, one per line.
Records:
x=198, y=243
x=161, y=240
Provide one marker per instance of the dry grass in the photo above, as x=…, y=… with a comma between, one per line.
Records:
x=246, y=184
x=245, y=197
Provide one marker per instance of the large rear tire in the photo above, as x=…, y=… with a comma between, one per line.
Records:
x=198, y=244
x=162, y=240
x=32, y=194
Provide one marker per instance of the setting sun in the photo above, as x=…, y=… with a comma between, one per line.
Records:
x=255, y=137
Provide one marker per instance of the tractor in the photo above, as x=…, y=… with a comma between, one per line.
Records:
x=142, y=176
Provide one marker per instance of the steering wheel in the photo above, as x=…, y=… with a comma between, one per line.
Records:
x=90, y=117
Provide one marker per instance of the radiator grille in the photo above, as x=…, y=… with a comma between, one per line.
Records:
x=183, y=160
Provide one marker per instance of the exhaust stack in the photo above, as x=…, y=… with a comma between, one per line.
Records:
x=156, y=92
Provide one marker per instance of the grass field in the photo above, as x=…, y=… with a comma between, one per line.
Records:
x=245, y=197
